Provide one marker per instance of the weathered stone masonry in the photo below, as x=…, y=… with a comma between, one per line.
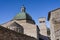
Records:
x=7, y=34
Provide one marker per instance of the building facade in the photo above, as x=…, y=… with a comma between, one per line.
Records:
x=42, y=26
x=54, y=19
x=24, y=24
x=7, y=34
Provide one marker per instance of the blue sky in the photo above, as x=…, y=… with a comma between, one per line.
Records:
x=36, y=8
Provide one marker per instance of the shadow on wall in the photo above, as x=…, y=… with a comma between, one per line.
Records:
x=42, y=37
x=19, y=28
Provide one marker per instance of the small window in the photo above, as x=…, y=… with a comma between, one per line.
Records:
x=42, y=21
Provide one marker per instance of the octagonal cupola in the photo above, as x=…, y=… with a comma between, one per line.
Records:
x=23, y=15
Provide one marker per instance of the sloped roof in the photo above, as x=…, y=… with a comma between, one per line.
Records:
x=49, y=13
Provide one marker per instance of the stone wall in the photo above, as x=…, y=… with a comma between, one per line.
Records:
x=42, y=26
x=28, y=28
x=7, y=34
x=55, y=24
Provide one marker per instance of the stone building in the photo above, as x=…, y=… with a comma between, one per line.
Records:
x=24, y=24
x=43, y=28
x=7, y=34
x=54, y=19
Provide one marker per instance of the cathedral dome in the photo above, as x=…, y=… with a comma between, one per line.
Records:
x=22, y=16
